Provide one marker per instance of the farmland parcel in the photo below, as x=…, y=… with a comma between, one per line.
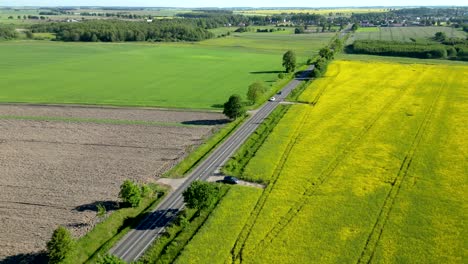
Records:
x=58, y=163
x=371, y=169
x=188, y=75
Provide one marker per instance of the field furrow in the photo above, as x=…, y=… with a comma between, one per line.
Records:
x=368, y=252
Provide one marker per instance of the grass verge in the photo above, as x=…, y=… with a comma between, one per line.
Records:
x=169, y=246
x=203, y=150
x=236, y=164
x=105, y=234
x=277, y=86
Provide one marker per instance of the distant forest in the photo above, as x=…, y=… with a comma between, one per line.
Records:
x=187, y=27
x=118, y=30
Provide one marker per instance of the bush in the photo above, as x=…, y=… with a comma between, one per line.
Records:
x=299, y=30
x=7, y=32
x=101, y=210
x=110, y=259
x=130, y=193
x=60, y=246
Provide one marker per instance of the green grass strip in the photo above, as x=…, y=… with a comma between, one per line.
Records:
x=203, y=150
x=104, y=235
x=236, y=164
x=93, y=120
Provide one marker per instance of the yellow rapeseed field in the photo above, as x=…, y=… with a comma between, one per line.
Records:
x=370, y=169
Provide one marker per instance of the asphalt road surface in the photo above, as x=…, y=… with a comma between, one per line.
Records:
x=135, y=243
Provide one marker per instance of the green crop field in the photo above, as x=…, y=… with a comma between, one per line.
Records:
x=406, y=34
x=187, y=75
x=305, y=45
x=6, y=13
x=370, y=169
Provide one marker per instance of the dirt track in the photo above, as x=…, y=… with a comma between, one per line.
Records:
x=51, y=171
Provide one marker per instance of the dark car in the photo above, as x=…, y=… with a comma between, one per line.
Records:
x=230, y=180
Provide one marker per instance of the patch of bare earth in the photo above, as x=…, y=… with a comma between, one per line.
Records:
x=52, y=173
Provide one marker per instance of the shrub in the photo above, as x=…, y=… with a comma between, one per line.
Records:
x=101, y=210
x=110, y=259
x=130, y=193
x=60, y=246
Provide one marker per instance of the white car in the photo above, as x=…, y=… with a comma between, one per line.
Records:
x=272, y=99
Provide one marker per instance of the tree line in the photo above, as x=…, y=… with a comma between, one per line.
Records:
x=117, y=30
x=223, y=18
x=394, y=48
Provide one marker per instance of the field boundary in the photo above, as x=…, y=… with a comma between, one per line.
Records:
x=111, y=106
x=94, y=120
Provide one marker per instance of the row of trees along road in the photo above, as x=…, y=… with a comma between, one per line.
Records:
x=234, y=107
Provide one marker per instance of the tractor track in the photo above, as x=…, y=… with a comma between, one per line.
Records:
x=373, y=239
x=245, y=233
x=286, y=219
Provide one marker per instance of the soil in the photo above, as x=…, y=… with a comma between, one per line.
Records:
x=54, y=173
x=89, y=112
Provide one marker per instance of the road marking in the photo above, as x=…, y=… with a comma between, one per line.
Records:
x=229, y=146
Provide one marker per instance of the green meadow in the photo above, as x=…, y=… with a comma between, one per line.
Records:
x=182, y=75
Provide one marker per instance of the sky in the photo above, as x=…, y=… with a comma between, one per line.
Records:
x=236, y=3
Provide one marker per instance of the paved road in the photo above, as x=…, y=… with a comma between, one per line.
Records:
x=134, y=244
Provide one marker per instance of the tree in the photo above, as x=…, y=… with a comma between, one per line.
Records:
x=354, y=27
x=299, y=30
x=289, y=61
x=29, y=34
x=110, y=259
x=130, y=193
x=233, y=108
x=60, y=246
x=256, y=90
x=200, y=195
x=440, y=36
x=326, y=53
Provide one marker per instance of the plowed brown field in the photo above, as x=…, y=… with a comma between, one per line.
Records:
x=52, y=171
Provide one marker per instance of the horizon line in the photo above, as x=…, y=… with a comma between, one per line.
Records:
x=234, y=7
